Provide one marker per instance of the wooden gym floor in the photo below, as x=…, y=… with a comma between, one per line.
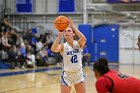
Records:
x=46, y=80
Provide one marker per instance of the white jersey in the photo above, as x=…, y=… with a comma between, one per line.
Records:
x=72, y=57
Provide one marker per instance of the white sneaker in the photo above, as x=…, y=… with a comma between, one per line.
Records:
x=58, y=64
x=16, y=68
x=23, y=67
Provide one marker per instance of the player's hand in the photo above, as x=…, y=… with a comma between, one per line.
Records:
x=60, y=33
x=70, y=22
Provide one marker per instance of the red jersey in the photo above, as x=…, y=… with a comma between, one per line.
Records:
x=114, y=82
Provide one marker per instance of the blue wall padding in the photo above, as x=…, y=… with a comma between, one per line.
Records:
x=24, y=6
x=86, y=29
x=66, y=5
x=107, y=42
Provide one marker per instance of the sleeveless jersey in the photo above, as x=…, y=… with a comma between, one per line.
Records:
x=72, y=57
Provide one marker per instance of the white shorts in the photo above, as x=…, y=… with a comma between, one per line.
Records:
x=69, y=78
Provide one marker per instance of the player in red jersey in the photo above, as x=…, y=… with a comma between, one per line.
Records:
x=111, y=81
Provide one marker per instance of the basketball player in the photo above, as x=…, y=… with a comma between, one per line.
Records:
x=71, y=51
x=138, y=43
x=110, y=81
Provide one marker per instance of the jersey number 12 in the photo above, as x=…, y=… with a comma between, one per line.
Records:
x=74, y=59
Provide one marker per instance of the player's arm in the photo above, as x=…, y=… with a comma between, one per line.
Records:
x=57, y=47
x=82, y=38
x=104, y=85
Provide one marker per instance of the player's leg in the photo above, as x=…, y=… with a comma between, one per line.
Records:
x=80, y=87
x=65, y=89
x=65, y=83
x=80, y=82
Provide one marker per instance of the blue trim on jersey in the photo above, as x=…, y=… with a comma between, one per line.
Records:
x=63, y=82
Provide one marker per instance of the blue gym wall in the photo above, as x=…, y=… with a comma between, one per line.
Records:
x=102, y=41
x=87, y=30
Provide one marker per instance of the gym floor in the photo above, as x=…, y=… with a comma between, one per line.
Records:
x=46, y=80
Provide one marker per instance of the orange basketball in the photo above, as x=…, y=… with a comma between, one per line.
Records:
x=61, y=23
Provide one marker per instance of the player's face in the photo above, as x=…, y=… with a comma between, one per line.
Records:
x=138, y=43
x=96, y=74
x=68, y=33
